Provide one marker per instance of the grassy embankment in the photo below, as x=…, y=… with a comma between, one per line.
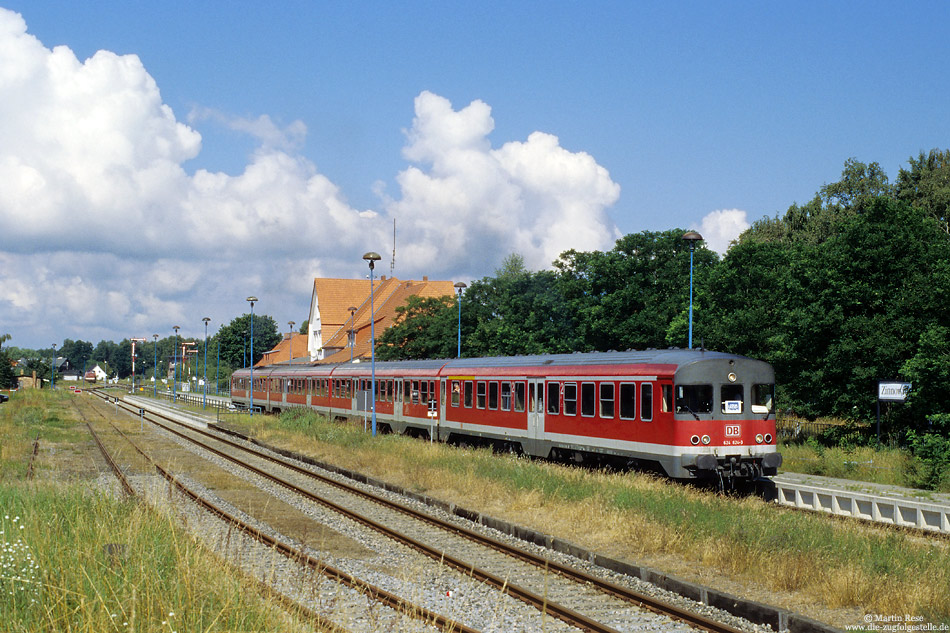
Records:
x=73, y=558
x=837, y=563
x=849, y=452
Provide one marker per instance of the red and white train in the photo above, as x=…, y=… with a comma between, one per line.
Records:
x=686, y=413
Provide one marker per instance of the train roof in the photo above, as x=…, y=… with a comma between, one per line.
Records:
x=674, y=357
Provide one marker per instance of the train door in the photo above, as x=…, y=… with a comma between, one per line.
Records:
x=441, y=410
x=397, y=399
x=535, y=413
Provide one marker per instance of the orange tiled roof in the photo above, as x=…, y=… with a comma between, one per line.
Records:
x=297, y=347
x=388, y=294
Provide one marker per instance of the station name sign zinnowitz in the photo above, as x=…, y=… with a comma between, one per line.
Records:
x=890, y=390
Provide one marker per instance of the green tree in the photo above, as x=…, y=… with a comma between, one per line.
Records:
x=235, y=339
x=926, y=185
x=76, y=352
x=425, y=327
x=517, y=312
x=855, y=307
x=628, y=297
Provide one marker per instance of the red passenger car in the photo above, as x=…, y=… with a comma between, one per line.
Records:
x=686, y=413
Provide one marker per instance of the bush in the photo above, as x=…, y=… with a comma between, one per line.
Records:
x=932, y=451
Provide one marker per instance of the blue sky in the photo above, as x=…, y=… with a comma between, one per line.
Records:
x=664, y=114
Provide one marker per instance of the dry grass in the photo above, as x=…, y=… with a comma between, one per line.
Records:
x=806, y=561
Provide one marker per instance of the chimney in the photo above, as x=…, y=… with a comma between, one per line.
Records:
x=425, y=278
x=382, y=277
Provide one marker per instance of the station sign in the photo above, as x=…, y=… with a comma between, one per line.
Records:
x=892, y=390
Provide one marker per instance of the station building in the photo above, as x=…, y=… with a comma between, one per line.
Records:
x=339, y=322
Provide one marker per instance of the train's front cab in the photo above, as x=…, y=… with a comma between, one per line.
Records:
x=724, y=418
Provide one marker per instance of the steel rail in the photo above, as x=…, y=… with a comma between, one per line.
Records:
x=381, y=595
x=525, y=595
x=115, y=467
x=638, y=599
x=319, y=619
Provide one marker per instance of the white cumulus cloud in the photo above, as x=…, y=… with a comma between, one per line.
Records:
x=721, y=227
x=104, y=234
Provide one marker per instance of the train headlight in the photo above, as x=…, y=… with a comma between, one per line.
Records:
x=732, y=377
x=706, y=440
x=768, y=438
x=694, y=440
x=758, y=438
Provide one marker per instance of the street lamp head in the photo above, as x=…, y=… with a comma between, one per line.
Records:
x=692, y=237
x=459, y=285
x=252, y=300
x=155, y=336
x=372, y=258
x=176, y=328
x=352, y=310
x=206, y=320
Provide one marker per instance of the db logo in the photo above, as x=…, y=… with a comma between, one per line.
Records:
x=733, y=430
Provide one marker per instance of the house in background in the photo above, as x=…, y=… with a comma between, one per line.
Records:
x=293, y=345
x=340, y=310
x=96, y=374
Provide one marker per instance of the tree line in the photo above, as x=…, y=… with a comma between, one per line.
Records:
x=838, y=293
x=227, y=349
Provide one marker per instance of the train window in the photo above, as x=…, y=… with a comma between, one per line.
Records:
x=730, y=397
x=570, y=398
x=646, y=402
x=628, y=401
x=666, y=398
x=607, y=400
x=763, y=398
x=415, y=392
x=493, y=395
x=407, y=390
x=468, y=394
x=694, y=399
x=506, y=396
x=554, y=400
x=480, y=394
x=424, y=395
x=588, y=399
x=456, y=393
x=433, y=394
x=519, y=396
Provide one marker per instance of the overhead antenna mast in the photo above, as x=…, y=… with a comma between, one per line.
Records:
x=392, y=265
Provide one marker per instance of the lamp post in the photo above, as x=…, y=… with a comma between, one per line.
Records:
x=155, y=369
x=204, y=401
x=252, y=300
x=372, y=258
x=352, y=310
x=459, y=286
x=691, y=237
x=175, y=366
x=290, y=343
x=217, y=368
x=52, y=370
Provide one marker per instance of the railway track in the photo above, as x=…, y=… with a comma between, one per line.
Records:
x=577, y=598
x=360, y=587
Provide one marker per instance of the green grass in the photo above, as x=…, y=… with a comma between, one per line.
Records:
x=843, y=562
x=73, y=558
